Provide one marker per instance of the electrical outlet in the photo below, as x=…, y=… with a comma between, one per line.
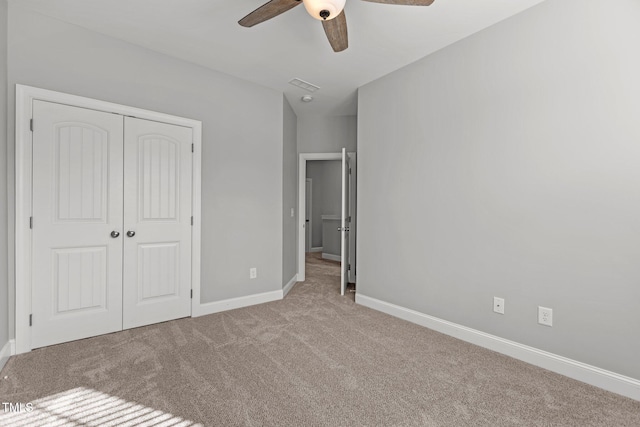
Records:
x=498, y=305
x=253, y=273
x=293, y=213
x=545, y=316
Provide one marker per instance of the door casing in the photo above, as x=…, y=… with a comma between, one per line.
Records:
x=25, y=95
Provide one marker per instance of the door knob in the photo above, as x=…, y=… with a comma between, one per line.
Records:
x=131, y=233
x=115, y=234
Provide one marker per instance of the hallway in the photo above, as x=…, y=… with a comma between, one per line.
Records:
x=325, y=274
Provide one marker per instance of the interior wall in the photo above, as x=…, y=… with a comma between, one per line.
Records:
x=289, y=193
x=326, y=194
x=4, y=279
x=242, y=147
x=327, y=134
x=507, y=165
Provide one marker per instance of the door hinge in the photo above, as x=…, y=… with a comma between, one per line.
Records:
x=349, y=267
x=193, y=148
x=31, y=125
x=31, y=222
x=31, y=320
x=191, y=220
x=349, y=171
x=191, y=293
x=349, y=219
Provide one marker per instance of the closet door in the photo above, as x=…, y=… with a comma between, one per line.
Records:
x=77, y=223
x=157, y=222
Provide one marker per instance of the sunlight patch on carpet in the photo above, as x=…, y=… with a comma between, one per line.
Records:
x=86, y=407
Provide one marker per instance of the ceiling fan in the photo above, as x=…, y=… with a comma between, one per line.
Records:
x=330, y=12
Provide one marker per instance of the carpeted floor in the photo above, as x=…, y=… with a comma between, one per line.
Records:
x=313, y=359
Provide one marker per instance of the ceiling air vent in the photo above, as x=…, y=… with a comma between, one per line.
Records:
x=304, y=85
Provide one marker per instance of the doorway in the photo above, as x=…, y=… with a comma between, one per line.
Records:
x=324, y=208
x=343, y=221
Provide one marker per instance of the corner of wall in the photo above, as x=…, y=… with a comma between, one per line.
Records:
x=289, y=194
x=4, y=142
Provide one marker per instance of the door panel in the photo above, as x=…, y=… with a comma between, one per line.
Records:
x=157, y=266
x=80, y=172
x=158, y=178
x=79, y=279
x=158, y=273
x=344, y=224
x=352, y=215
x=77, y=203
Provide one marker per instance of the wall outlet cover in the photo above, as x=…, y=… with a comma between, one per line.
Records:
x=498, y=305
x=545, y=316
x=253, y=273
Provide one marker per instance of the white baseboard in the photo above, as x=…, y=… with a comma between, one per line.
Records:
x=318, y=249
x=611, y=381
x=7, y=351
x=233, y=303
x=331, y=257
x=289, y=285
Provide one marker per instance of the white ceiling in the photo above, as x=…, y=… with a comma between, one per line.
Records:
x=382, y=38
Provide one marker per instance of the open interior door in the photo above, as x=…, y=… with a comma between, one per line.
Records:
x=344, y=224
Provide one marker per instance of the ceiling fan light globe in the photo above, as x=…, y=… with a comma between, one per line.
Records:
x=316, y=7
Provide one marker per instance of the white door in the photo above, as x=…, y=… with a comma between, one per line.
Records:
x=344, y=224
x=77, y=223
x=157, y=222
x=308, y=223
x=111, y=223
x=352, y=216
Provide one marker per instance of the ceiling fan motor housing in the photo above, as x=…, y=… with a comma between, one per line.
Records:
x=323, y=10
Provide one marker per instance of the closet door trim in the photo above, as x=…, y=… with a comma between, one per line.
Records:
x=25, y=95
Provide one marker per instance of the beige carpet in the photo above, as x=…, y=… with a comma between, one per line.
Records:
x=313, y=359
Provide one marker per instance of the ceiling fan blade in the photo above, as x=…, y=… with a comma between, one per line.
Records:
x=267, y=11
x=336, y=31
x=404, y=2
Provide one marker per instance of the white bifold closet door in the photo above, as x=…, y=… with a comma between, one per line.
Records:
x=111, y=223
x=157, y=222
x=77, y=204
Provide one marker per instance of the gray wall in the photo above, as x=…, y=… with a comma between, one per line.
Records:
x=242, y=149
x=321, y=134
x=4, y=284
x=289, y=193
x=326, y=192
x=331, y=240
x=508, y=165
